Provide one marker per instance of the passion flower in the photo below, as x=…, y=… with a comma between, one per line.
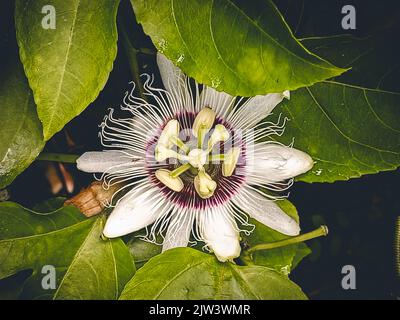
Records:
x=195, y=161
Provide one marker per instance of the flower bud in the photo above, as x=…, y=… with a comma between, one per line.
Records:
x=221, y=237
x=92, y=200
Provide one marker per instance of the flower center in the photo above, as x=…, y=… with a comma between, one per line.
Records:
x=198, y=158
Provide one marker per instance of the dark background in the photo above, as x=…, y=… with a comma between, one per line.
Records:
x=361, y=213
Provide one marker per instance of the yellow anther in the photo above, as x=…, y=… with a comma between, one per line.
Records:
x=170, y=130
x=162, y=153
x=230, y=161
x=165, y=177
x=204, y=185
x=220, y=134
x=203, y=122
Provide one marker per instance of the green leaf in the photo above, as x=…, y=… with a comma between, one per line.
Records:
x=371, y=65
x=231, y=45
x=281, y=259
x=49, y=205
x=86, y=266
x=20, y=131
x=67, y=66
x=302, y=251
x=349, y=131
x=142, y=250
x=185, y=273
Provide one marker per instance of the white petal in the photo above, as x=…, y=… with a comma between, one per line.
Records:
x=138, y=209
x=178, y=232
x=256, y=109
x=265, y=211
x=220, y=102
x=175, y=82
x=220, y=234
x=273, y=163
x=100, y=161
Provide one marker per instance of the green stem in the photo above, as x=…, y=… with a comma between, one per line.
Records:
x=321, y=231
x=178, y=171
x=132, y=53
x=58, y=157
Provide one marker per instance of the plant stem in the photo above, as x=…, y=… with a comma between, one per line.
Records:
x=58, y=157
x=132, y=52
x=321, y=231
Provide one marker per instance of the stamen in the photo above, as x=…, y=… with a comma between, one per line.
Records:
x=230, y=160
x=170, y=130
x=162, y=153
x=178, y=171
x=166, y=178
x=195, y=159
x=204, y=185
x=203, y=122
x=219, y=134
